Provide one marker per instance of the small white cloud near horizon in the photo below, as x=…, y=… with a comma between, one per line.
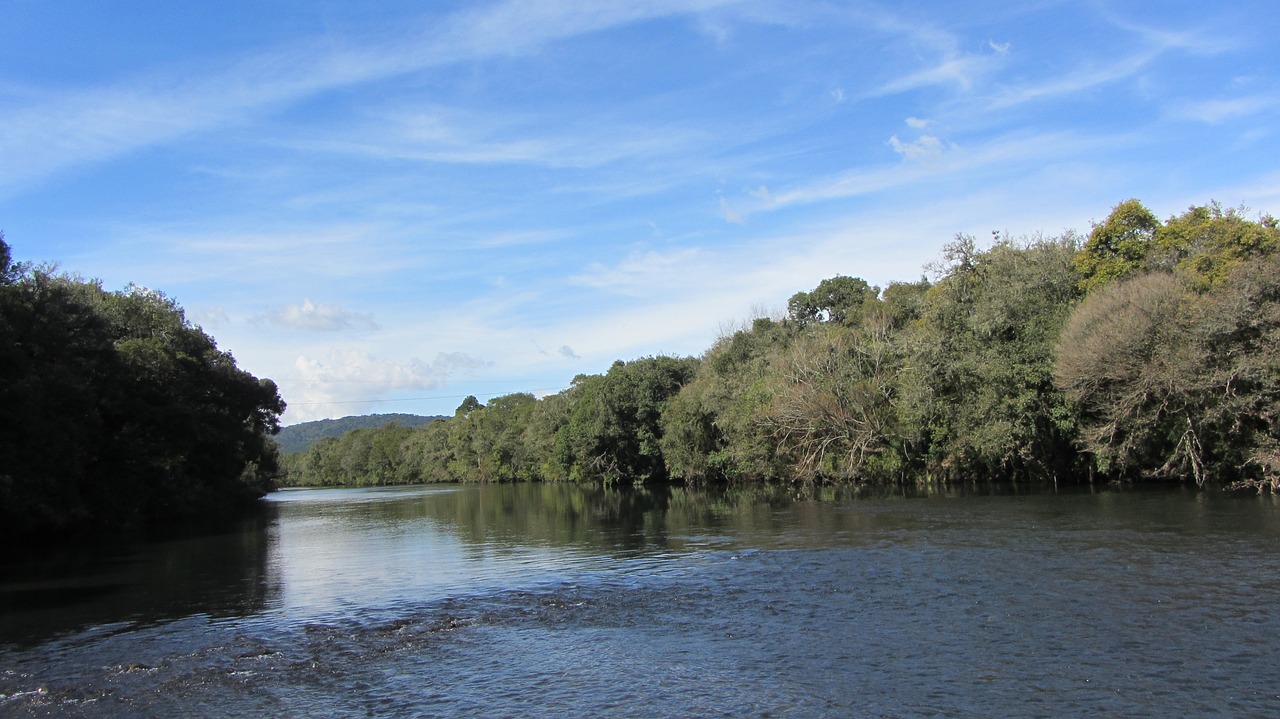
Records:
x=351, y=376
x=208, y=317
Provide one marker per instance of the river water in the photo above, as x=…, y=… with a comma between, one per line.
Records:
x=562, y=601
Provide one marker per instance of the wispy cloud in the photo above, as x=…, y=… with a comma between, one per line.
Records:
x=1006, y=152
x=730, y=215
x=1077, y=80
x=451, y=135
x=92, y=124
x=641, y=272
x=959, y=71
x=1214, y=112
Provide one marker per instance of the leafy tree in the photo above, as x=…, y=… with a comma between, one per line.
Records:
x=833, y=414
x=1118, y=246
x=469, y=405
x=714, y=428
x=1175, y=383
x=976, y=395
x=614, y=432
x=1206, y=243
x=1121, y=358
x=117, y=412
x=838, y=299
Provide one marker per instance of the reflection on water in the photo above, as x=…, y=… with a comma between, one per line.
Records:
x=43, y=594
x=555, y=600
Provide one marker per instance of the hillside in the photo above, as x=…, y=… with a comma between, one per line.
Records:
x=298, y=437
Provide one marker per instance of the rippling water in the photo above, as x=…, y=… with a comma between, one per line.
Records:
x=545, y=600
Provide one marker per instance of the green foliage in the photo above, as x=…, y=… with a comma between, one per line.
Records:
x=1206, y=243
x=1172, y=382
x=714, y=429
x=833, y=414
x=614, y=432
x=299, y=437
x=976, y=395
x=117, y=412
x=838, y=299
x=1117, y=247
x=1147, y=351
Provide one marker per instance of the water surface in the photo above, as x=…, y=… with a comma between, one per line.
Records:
x=548, y=600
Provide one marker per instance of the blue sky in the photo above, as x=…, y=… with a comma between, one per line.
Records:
x=388, y=206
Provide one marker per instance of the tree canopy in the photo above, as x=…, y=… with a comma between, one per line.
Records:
x=1145, y=351
x=117, y=412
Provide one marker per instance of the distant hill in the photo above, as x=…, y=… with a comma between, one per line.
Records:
x=298, y=437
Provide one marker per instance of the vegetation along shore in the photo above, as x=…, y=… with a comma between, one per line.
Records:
x=1147, y=350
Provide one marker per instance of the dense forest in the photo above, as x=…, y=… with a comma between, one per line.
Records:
x=1147, y=350
x=118, y=413
x=298, y=437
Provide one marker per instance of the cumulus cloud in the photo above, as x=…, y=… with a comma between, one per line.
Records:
x=320, y=317
x=375, y=374
x=567, y=351
x=917, y=123
x=213, y=316
x=927, y=147
x=351, y=377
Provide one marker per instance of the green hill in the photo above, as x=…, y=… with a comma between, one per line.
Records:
x=298, y=437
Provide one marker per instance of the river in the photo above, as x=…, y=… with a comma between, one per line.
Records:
x=562, y=601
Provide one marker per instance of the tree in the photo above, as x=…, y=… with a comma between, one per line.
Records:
x=117, y=412
x=1172, y=382
x=714, y=429
x=1118, y=246
x=614, y=433
x=1206, y=243
x=838, y=299
x=833, y=415
x=976, y=393
x=1123, y=358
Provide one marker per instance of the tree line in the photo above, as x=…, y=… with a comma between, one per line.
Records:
x=1147, y=350
x=116, y=412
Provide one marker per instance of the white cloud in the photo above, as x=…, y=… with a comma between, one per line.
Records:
x=961, y=71
x=209, y=317
x=927, y=147
x=1214, y=112
x=1010, y=154
x=92, y=124
x=353, y=377
x=917, y=123
x=1001, y=47
x=567, y=351
x=640, y=272
x=320, y=317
